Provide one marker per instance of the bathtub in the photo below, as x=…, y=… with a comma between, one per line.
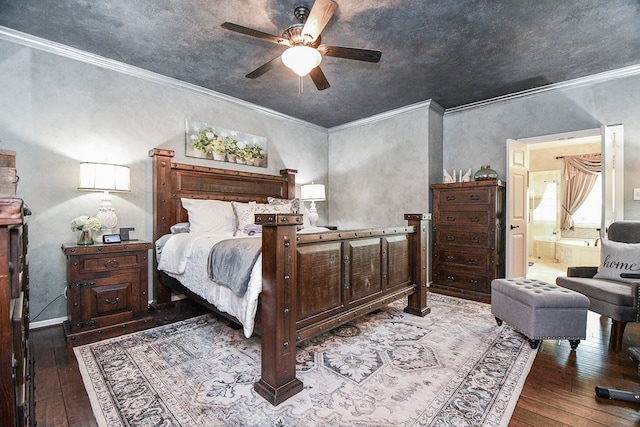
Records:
x=544, y=247
x=578, y=252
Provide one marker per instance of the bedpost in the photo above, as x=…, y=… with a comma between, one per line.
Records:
x=290, y=175
x=417, y=302
x=161, y=212
x=278, y=315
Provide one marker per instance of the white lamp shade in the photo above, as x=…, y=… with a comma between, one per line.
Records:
x=301, y=59
x=312, y=192
x=104, y=177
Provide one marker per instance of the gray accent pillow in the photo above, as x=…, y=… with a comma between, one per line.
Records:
x=617, y=258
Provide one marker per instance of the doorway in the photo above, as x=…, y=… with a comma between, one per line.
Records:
x=535, y=251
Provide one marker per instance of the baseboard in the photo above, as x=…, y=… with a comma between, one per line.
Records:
x=48, y=322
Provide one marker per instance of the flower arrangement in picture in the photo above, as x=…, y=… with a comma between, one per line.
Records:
x=225, y=145
x=85, y=223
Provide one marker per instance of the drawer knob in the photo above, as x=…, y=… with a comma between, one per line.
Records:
x=451, y=238
x=474, y=197
x=112, y=302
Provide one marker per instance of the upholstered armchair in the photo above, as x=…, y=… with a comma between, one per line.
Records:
x=612, y=287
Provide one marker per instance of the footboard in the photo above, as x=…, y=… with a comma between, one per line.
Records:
x=314, y=282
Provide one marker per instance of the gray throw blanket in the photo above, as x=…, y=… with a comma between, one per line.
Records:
x=231, y=262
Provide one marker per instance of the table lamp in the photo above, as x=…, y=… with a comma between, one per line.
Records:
x=312, y=193
x=105, y=177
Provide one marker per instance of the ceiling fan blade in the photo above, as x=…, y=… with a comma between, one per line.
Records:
x=264, y=68
x=255, y=33
x=319, y=79
x=367, y=55
x=320, y=14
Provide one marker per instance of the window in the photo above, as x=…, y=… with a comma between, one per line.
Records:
x=588, y=215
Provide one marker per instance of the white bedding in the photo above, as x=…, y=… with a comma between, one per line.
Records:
x=185, y=256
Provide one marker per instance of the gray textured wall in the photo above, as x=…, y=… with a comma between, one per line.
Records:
x=379, y=170
x=478, y=135
x=56, y=112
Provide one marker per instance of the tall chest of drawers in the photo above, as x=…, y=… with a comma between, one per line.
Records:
x=468, y=238
x=17, y=401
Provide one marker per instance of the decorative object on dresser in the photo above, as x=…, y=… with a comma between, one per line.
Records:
x=312, y=193
x=485, y=173
x=468, y=237
x=105, y=177
x=17, y=401
x=107, y=290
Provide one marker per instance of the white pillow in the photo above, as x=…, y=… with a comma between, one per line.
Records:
x=245, y=212
x=616, y=258
x=294, y=204
x=214, y=216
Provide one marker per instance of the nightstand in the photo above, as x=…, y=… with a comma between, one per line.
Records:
x=107, y=290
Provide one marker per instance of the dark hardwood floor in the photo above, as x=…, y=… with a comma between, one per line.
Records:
x=559, y=391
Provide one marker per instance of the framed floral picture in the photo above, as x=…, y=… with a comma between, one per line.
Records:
x=216, y=143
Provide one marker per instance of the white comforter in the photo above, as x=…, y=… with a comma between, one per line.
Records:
x=185, y=255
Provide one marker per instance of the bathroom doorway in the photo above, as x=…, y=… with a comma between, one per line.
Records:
x=544, y=165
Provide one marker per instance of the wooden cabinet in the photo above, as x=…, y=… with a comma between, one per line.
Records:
x=468, y=238
x=17, y=401
x=107, y=290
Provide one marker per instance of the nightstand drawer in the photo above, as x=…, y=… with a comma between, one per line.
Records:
x=108, y=262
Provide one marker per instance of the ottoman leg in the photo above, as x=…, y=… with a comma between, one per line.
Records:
x=574, y=344
x=533, y=343
x=499, y=321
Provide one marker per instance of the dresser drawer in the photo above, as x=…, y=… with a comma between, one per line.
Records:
x=460, y=217
x=466, y=279
x=464, y=237
x=468, y=258
x=464, y=196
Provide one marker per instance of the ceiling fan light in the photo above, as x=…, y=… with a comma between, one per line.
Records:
x=301, y=59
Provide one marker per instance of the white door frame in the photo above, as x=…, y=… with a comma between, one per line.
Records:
x=613, y=156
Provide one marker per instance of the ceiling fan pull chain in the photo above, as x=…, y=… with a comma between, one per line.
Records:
x=300, y=84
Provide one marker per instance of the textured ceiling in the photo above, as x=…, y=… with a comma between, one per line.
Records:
x=454, y=52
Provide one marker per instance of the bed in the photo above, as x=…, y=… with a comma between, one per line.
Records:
x=310, y=282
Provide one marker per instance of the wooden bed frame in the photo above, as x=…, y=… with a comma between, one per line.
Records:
x=311, y=283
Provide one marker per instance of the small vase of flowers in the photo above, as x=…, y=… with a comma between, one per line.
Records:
x=85, y=225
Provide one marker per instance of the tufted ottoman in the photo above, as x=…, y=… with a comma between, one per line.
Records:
x=540, y=310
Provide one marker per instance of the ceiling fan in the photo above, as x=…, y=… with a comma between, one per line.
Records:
x=304, y=51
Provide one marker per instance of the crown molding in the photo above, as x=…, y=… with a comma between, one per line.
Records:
x=59, y=49
x=605, y=76
x=430, y=104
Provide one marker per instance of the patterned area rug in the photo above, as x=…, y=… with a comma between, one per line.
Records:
x=454, y=367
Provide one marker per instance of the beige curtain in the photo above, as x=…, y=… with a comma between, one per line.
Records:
x=580, y=174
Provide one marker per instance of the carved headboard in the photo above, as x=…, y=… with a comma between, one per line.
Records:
x=173, y=181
